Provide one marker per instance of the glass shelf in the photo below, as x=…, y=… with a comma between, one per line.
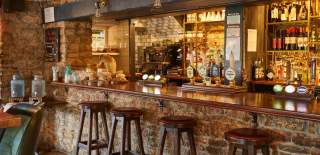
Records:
x=314, y=17
x=289, y=22
x=288, y=51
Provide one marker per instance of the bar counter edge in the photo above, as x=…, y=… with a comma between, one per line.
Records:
x=311, y=112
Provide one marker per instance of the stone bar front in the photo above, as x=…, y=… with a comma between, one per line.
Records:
x=291, y=135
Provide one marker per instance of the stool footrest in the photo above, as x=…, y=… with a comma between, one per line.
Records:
x=95, y=144
x=127, y=153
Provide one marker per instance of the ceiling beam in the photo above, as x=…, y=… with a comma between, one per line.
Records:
x=122, y=9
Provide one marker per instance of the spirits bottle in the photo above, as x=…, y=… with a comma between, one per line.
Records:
x=276, y=13
x=254, y=70
x=300, y=40
x=305, y=38
x=274, y=41
x=270, y=73
x=285, y=13
x=303, y=12
x=293, y=38
x=280, y=12
x=215, y=71
x=287, y=40
x=279, y=41
x=293, y=12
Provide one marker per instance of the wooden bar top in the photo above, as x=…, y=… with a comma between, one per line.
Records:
x=249, y=102
x=9, y=121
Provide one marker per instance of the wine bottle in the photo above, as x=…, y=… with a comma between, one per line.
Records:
x=293, y=12
x=303, y=12
x=305, y=38
x=274, y=41
x=279, y=41
x=293, y=38
x=300, y=40
x=287, y=40
x=272, y=15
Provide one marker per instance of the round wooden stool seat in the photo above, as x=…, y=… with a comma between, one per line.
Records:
x=249, y=140
x=126, y=112
x=177, y=121
x=92, y=109
x=126, y=115
x=94, y=105
x=248, y=135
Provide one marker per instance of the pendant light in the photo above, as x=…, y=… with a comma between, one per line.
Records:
x=98, y=5
x=157, y=4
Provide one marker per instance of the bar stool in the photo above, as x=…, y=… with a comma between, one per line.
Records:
x=93, y=109
x=126, y=114
x=249, y=140
x=177, y=125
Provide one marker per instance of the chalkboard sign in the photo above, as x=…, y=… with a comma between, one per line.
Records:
x=233, y=44
x=52, y=45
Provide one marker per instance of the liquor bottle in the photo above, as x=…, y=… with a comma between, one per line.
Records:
x=300, y=40
x=280, y=12
x=279, y=41
x=285, y=12
x=314, y=37
x=293, y=12
x=270, y=73
x=215, y=71
x=303, y=12
x=287, y=40
x=293, y=41
x=209, y=73
x=254, y=70
x=274, y=41
x=272, y=15
x=276, y=12
x=305, y=38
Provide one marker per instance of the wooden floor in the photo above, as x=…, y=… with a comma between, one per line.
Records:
x=53, y=153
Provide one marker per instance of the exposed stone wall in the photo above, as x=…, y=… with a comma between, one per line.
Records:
x=292, y=136
x=22, y=45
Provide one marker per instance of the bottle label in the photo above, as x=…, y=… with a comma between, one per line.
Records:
x=293, y=40
x=283, y=17
x=274, y=43
x=293, y=14
x=305, y=41
x=279, y=43
x=287, y=40
x=270, y=75
x=190, y=72
x=276, y=13
x=230, y=74
x=272, y=14
x=300, y=42
x=215, y=71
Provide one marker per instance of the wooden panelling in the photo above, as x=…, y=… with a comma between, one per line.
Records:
x=254, y=17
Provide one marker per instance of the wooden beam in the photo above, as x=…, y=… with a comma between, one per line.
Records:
x=122, y=9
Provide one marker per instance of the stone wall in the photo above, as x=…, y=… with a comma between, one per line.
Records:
x=22, y=45
x=292, y=136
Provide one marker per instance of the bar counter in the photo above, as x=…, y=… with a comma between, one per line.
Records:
x=293, y=124
x=260, y=103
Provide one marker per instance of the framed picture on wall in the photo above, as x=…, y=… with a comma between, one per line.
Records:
x=52, y=44
x=98, y=40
